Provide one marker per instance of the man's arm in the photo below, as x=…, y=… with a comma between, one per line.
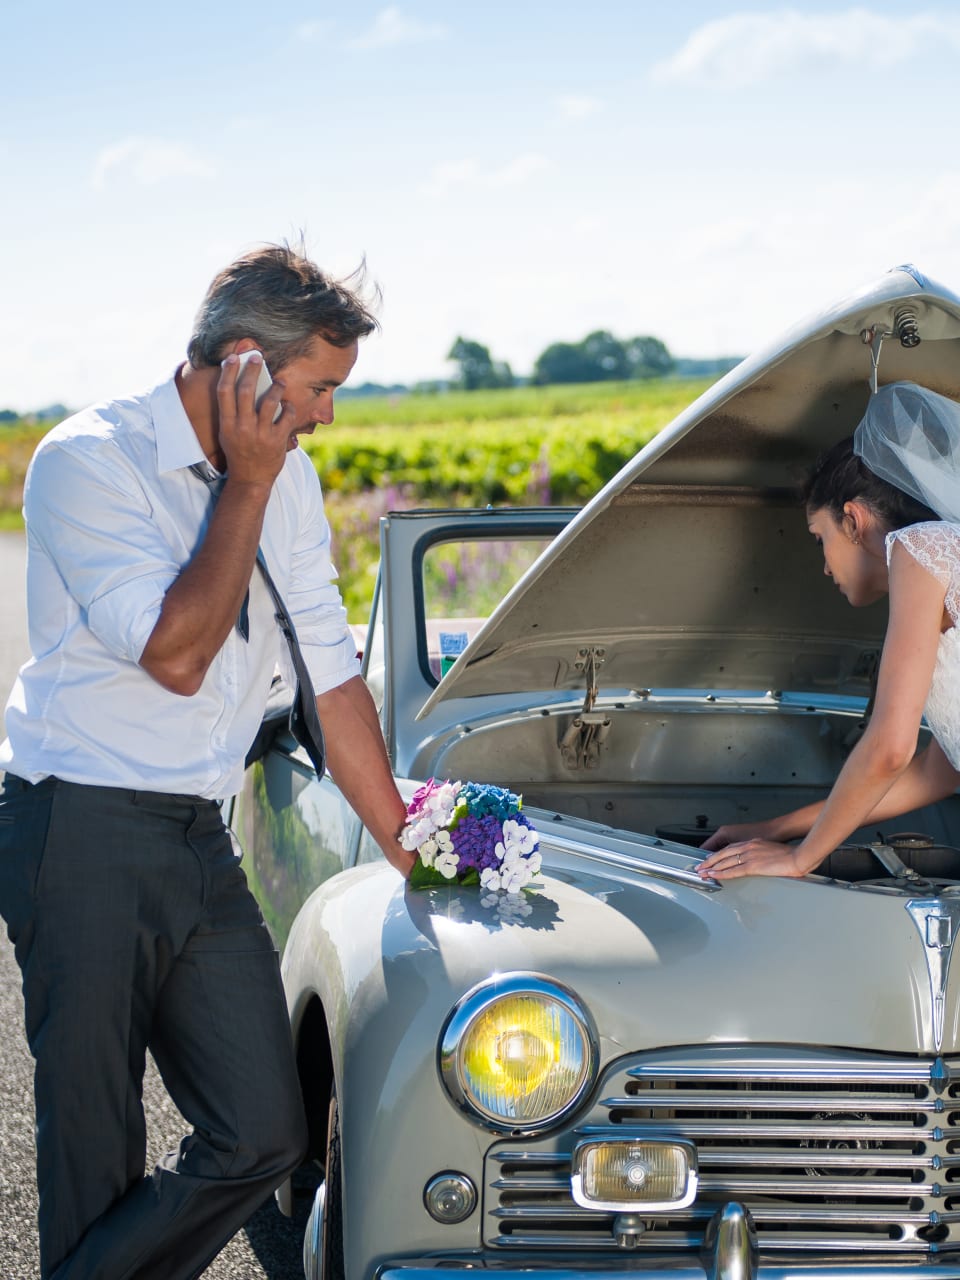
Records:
x=357, y=757
x=202, y=604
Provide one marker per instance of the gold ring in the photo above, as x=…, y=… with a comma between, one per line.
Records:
x=739, y=859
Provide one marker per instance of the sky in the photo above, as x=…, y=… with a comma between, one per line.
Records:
x=518, y=172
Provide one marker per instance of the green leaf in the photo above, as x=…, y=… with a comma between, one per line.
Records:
x=422, y=877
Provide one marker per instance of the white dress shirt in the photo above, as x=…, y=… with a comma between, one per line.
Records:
x=113, y=514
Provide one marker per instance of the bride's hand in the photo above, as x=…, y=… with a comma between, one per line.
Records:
x=751, y=858
x=736, y=833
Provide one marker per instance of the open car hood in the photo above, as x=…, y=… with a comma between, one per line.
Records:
x=693, y=568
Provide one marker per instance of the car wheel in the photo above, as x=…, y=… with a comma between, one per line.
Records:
x=323, y=1241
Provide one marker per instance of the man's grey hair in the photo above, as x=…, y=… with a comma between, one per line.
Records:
x=282, y=300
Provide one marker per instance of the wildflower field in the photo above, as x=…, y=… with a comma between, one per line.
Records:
x=526, y=446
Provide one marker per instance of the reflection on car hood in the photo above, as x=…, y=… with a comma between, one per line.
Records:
x=655, y=964
x=693, y=567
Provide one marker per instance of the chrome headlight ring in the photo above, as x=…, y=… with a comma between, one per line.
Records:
x=518, y=1053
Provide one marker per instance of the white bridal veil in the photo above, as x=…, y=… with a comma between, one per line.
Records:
x=910, y=437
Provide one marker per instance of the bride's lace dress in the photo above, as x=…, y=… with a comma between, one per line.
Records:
x=936, y=545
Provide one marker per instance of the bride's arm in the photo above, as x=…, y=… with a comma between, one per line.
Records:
x=883, y=756
x=929, y=777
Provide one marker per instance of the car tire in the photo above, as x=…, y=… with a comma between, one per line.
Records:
x=323, y=1239
x=331, y=1244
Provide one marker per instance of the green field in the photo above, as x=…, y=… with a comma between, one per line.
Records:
x=535, y=446
x=524, y=446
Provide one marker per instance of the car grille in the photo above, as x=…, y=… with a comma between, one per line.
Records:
x=836, y=1154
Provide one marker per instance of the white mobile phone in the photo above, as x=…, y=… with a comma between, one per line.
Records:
x=264, y=381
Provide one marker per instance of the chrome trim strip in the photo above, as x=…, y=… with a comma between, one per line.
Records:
x=708, y=1129
x=831, y=1071
x=683, y=1243
x=773, y=1101
x=850, y=1158
x=632, y=862
x=745, y=1185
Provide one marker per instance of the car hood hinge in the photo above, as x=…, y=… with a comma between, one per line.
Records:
x=583, y=739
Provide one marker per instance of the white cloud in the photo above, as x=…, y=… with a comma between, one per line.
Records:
x=150, y=161
x=468, y=173
x=748, y=47
x=577, y=106
x=313, y=30
x=391, y=26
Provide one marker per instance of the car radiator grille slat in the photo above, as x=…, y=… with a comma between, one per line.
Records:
x=829, y=1154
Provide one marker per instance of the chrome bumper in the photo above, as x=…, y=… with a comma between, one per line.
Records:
x=663, y=1269
x=729, y=1253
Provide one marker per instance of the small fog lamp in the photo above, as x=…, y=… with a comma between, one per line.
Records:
x=634, y=1174
x=450, y=1197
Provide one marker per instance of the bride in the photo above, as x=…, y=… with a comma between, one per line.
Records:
x=884, y=505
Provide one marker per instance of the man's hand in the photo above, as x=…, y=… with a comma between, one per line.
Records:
x=253, y=445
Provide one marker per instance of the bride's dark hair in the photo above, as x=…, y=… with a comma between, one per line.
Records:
x=839, y=476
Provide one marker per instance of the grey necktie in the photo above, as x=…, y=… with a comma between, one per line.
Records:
x=304, y=720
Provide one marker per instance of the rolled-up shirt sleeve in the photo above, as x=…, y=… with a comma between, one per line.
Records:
x=314, y=600
x=90, y=517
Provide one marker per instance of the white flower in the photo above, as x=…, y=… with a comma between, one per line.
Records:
x=428, y=852
x=425, y=834
x=489, y=879
x=512, y=858
x=414, y=834
x=444, y=841
x=522, y=838
x=446, y=864
x=514, y=878
x=442, y=802
x=534, y=862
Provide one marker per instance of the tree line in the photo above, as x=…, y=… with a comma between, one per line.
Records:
x=599, y=357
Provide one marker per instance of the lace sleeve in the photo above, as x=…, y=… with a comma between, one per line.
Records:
x=935, y=545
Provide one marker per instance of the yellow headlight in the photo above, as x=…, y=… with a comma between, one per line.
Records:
x=518, y=1058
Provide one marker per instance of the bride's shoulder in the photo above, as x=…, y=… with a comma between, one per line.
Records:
x=927, y=534
x=934, y=544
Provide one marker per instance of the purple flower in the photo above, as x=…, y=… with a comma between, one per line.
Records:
x=475, y=841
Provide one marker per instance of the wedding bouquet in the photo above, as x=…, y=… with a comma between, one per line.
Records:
x=471, y=833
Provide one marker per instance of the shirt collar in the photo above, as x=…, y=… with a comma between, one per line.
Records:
x=177, y=443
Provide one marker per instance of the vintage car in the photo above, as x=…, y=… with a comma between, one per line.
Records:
x=633, y=1070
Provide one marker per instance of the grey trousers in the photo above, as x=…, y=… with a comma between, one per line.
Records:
x=134, y=929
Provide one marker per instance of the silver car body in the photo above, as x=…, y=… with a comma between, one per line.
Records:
x=675, y=659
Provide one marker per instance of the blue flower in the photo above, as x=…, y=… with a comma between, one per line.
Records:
x=483, y=798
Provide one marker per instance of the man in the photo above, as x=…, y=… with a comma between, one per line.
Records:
x=154, y=643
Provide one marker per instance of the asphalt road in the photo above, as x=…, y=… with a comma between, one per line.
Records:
x=269, y=1246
